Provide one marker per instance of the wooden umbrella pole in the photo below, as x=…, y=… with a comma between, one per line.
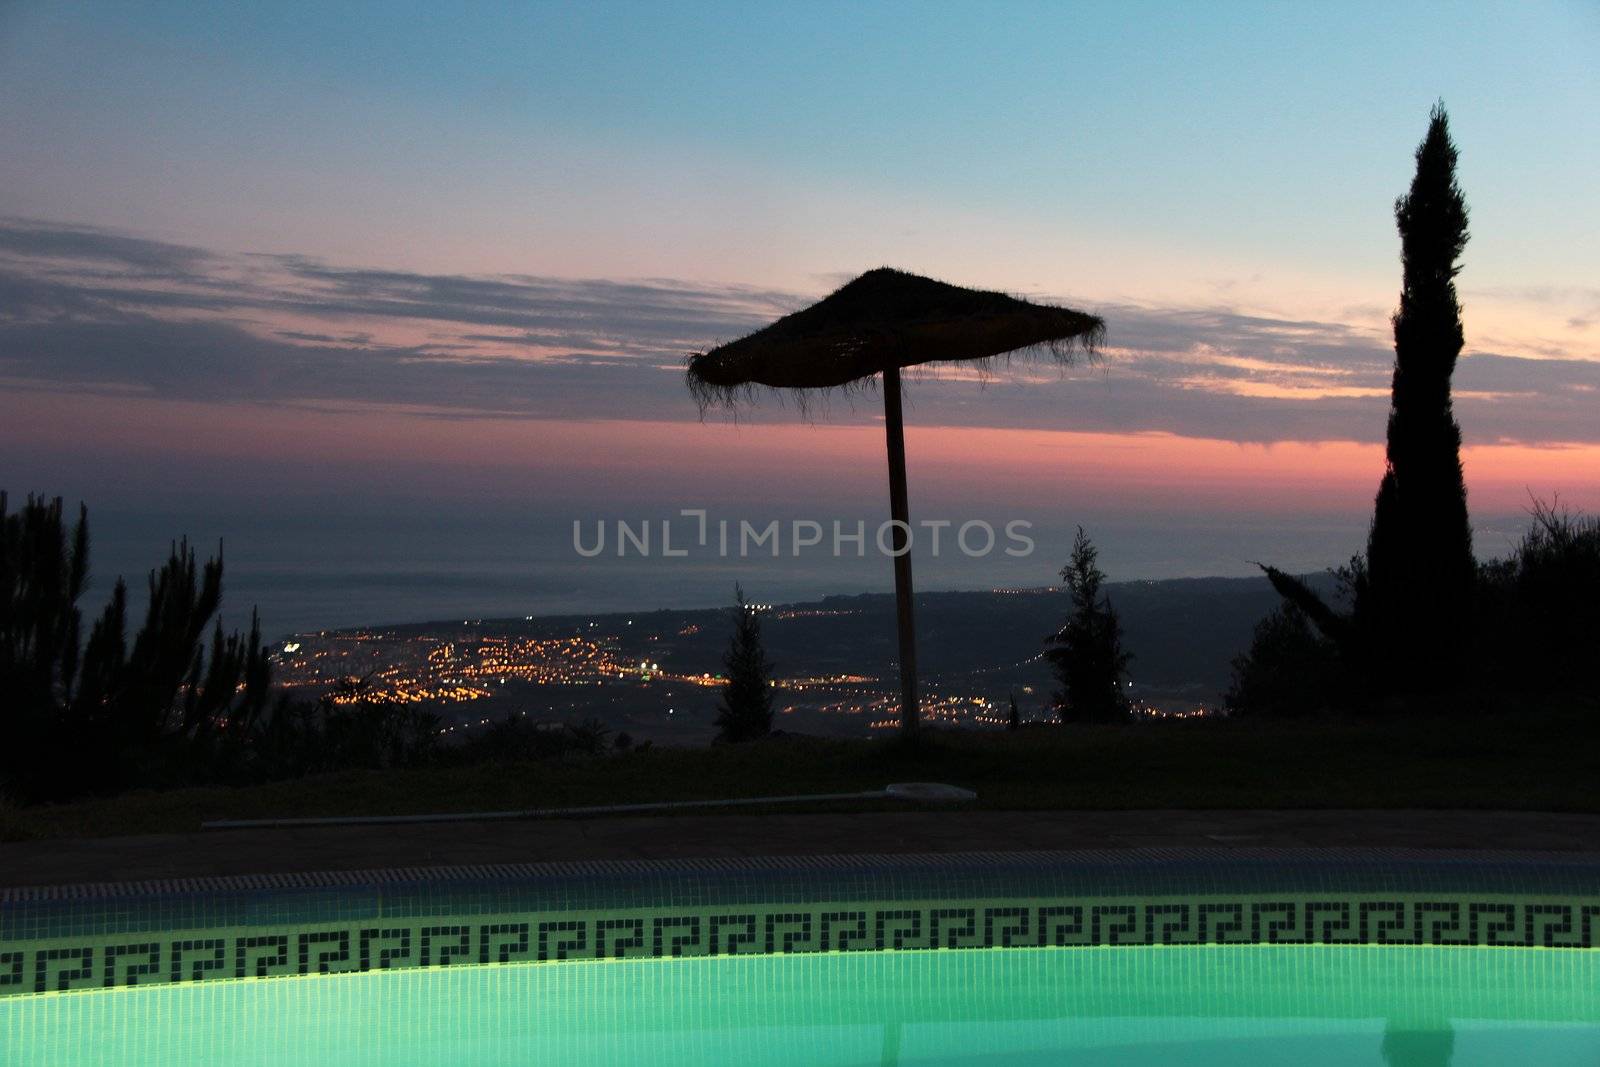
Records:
x=894, y=429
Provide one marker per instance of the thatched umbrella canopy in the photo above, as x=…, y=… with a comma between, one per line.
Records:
x=884, y=320
x=880, y=322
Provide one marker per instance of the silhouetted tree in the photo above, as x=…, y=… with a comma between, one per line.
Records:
x=746, y=710
x=349, y=726
x=1540, y=607
x=1290, y=669
x=43, y=570
x=114, y=714
x=1420, y=566
x=1013, y=717
x=1413, y=591
x=1086, y=652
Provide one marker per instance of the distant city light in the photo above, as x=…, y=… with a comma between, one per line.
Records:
x=417, y=667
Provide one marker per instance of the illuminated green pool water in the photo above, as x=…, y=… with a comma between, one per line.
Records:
x=1208, y=1004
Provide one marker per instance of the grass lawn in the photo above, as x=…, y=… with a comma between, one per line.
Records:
x=1540, y=760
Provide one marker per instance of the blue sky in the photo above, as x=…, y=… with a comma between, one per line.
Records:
x=771, y=144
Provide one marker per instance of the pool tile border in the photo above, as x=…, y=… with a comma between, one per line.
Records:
x=97, y=936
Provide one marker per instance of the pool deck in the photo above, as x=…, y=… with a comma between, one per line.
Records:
x=344, y=848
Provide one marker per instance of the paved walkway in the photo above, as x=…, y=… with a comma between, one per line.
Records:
x=363, y=847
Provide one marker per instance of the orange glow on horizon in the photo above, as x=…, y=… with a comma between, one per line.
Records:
x=668, y=461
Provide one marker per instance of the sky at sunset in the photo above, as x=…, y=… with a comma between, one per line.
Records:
x=386, y=291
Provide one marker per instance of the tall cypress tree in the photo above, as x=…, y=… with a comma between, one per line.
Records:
x=1412, y=592
x=1417, y=586
x=746, y=710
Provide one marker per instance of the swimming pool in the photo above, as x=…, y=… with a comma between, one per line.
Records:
x=1160, y=956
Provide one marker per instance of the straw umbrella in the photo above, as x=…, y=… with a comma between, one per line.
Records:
x=872, y=327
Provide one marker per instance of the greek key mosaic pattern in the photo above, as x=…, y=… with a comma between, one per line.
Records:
x=453, y=941
x=66, y=939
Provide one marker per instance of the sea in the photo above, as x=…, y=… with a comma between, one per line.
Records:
x=317, y=570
